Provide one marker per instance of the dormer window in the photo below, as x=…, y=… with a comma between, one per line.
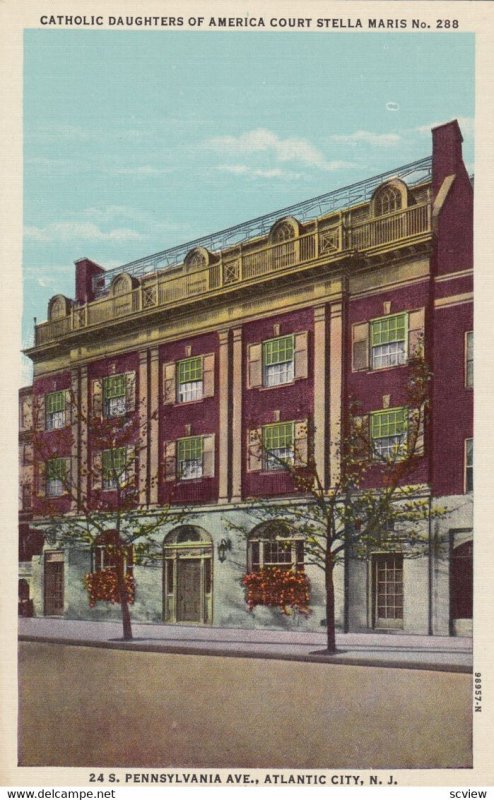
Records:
x=387, y=201
x=390, y=197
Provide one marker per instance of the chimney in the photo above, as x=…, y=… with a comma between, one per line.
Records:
x=446, y=153
x=85, y=271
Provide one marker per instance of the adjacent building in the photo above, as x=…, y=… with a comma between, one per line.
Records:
x=263, y=332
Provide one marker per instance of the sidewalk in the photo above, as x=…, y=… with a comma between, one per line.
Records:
x=443, y=653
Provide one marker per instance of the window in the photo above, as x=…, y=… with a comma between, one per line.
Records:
x=190, y=382
x=189, y=454
x=277, y=443
x=388, y=591
x=55, y=410
x=114, y=392
x=278, y=361
x=275, y=546
x=388, y=431
x=188, y=379
x=388, y=341
x=190, y=457
x=469, y=465
x=114, y=395
x=26, y=413
x=56, y=472
x=105, y=551
x=26, y=496
x=387, y=200
x=469, y=360
x=115, y=468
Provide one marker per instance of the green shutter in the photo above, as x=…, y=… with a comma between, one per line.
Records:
x=56, y=469
x=55, y=401
x=114, y=462
x=388, y=329
x=278, y=436
x=114, y=386
x=190, y=449
x=388, y=423
x=190, y=370
x=278, y=351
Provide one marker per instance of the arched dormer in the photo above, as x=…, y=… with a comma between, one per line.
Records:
x=389, y=197
x=122, y=284
x=58, y=307
x=284, y=229
x=197, y=258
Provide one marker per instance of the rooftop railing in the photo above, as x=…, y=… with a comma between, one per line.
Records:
x=241, y=265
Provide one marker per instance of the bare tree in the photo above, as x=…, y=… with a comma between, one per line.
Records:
x=373, y=502
x=94, y=504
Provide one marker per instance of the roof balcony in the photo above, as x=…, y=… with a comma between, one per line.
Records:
x=289, y=248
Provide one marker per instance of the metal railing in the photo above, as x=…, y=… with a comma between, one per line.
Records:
x=242, y=264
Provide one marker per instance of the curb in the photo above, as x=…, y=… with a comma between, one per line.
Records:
x=315, y=657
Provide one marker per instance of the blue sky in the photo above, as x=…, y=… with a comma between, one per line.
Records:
x=138, y=141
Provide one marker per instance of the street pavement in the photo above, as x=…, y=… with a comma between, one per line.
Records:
x=440, y=653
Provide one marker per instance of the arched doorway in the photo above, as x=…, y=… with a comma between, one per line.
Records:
x=188, y=576
x=461, y=595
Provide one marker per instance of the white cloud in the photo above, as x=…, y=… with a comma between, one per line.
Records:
x=261, y=140
x=67, y=231
x=368, y=137
x=275, y=172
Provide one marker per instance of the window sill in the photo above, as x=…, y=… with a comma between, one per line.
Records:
x=278, y=385
x=369, y=371
x=180, y=403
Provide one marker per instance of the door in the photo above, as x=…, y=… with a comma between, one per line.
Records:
x=54, y=584
x=461, y=583
x=388, y=591
x=189, y=590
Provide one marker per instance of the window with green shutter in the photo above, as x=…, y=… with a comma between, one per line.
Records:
x=190, y=457
x=56, y=473
x=278, y=360
x=190, y=379
x=114, y=465
x=55, y=410
x=114, y=393
x=388, y=341
x=278, y=440
x=388, y=431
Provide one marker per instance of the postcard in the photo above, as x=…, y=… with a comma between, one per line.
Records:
x=238, y=407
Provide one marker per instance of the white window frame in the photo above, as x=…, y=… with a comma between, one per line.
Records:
x=190, y=391
x=189, y=468
x=291, y=545
x=280, y=372
x=115, y=406
x=54, y=420
x=389, y=354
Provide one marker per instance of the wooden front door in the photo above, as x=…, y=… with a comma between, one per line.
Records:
x=189, y=590
x=53, y=584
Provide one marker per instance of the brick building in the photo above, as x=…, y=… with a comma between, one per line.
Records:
x=255, y=332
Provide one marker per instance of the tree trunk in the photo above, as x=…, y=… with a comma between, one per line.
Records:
x=330, y=617
x=124, y=601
